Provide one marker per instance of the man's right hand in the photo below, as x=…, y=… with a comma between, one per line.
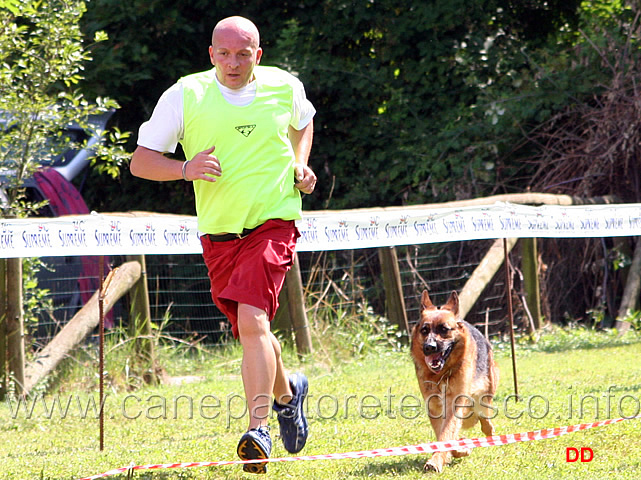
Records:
x=153, y=165
x=204, y=166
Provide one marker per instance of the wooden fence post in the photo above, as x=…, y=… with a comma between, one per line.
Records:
x=630, y=298
x=81, y=324
x=291, y=315
x=296, y=307
x=140, y=321
x=15, y=323
x=482, y=275
x=529, y=266
x=282, y=320
x=394, y=300
x=3, y=330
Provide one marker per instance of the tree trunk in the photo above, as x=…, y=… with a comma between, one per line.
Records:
x=630, y=299
x=15, y=323
x=394, y=300
x=3, y=329
x=297, y=312
x=81, y=325
x=140, y=323
x=530, y=269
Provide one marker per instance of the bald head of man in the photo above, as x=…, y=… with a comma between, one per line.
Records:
x=235, y=51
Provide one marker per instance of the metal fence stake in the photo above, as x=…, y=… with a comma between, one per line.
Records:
x=101, y=361
x=508, y=293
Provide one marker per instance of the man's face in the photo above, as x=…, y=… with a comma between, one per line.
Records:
x=235, y=53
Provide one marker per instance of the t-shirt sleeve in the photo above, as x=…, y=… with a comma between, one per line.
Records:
x=303, y=110
x=165, y=128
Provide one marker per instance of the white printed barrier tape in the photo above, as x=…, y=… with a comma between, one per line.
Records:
x=433, y=447
x=131, y=234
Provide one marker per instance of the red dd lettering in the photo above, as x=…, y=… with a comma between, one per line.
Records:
x=585, y=450
x=569, y=452
x=585, y=454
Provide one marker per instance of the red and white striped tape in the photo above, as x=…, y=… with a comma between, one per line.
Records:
x=444, y=446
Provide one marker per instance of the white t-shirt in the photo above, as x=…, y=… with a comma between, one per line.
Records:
x=165, y=128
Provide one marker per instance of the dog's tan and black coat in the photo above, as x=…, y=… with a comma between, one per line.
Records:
x=456, y=373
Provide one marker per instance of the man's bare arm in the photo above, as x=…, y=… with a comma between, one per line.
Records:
x=302, y=144
x=153, y=165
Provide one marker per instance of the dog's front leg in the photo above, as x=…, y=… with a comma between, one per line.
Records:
x=446, y=429
x=485, y=417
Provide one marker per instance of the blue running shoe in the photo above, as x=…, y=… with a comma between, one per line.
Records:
x=254, y=444
x=291, y=417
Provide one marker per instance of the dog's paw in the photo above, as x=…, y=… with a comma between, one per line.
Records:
x=433, y=466
x=463, y=452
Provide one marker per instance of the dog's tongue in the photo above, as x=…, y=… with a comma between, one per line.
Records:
x=434, y=362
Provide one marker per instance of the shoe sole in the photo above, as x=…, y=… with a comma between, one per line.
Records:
x=248, y=449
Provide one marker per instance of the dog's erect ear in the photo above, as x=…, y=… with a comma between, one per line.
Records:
x=426, y=303
x=452, y=303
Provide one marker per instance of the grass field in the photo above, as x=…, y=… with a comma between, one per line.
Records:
x=357, y=402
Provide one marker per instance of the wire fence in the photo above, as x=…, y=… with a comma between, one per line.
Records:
x=346, y=281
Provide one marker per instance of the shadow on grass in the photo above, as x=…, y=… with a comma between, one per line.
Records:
x=167, y=475
x=401, y=466
x=615, y=389
x=564, y=340
x=394, y=466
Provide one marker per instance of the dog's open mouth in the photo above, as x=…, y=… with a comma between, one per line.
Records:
x=436, y=361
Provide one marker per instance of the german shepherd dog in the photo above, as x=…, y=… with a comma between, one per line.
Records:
x=456, y=374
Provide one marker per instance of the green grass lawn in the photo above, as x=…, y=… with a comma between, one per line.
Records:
x=363, y=402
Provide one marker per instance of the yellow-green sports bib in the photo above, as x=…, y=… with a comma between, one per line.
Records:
x=255, y=154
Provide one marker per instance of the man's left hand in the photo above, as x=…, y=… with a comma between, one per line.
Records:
x=305, y=178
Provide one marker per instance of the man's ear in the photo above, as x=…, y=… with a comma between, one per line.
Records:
x=259, y=54
x=211, y=55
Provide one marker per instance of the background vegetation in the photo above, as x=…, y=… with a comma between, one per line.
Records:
x=416, y=102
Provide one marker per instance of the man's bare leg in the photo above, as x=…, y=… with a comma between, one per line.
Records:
x=262, y=366
x=282, y=388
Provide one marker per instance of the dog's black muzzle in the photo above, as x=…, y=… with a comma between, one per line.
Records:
x=430, y=346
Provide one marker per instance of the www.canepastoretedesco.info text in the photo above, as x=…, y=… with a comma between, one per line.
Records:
x=233, y=406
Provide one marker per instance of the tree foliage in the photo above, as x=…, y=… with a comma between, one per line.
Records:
x=397, y=84
x=588, y=145
x=421, y=102
x=591, y=146
x=42, y=58
x=417, y=102
x=151, y=45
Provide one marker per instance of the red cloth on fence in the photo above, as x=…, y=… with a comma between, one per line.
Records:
x=65, y=199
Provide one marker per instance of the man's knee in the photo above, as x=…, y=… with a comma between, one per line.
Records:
x=252, y=321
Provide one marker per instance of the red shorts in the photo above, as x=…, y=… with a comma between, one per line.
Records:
x=250, y=270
